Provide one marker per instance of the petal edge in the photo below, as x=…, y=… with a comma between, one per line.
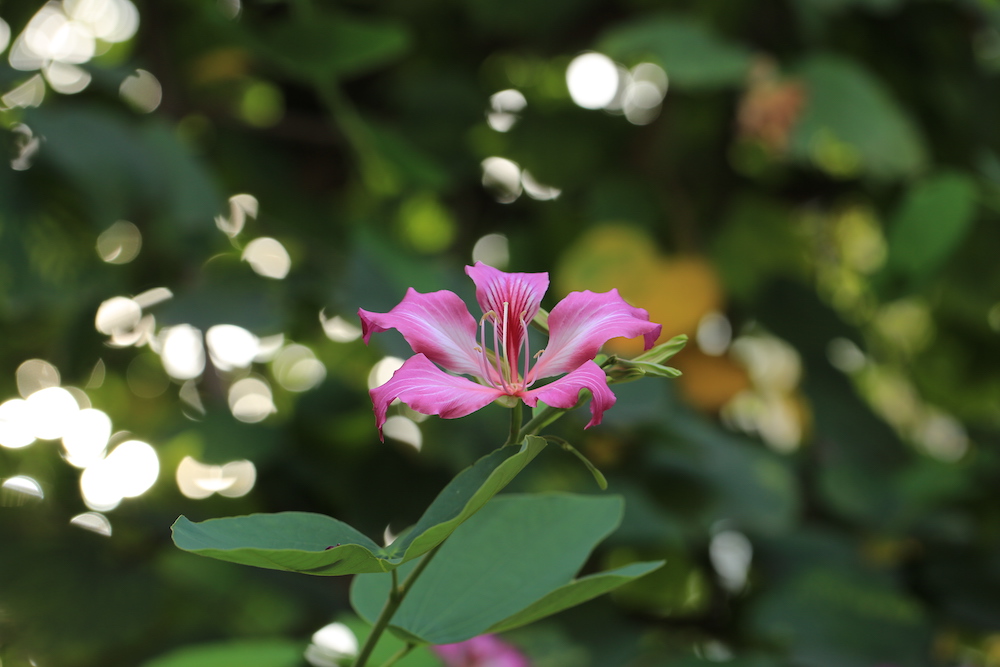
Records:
x=584, y=321
x=436, y=324
x=430, y=391
x=565, y=392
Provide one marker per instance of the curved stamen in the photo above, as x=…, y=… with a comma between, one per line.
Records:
x=484, y=359
x=496, y=355
x=527, y=350
x=530, y=381
x=505, y=339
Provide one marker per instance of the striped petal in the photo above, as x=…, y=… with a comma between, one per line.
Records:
x=565, y=392
x=584, y=321
x=515, y=298
x=523, y=291
x=429, y=390
x=436, y=324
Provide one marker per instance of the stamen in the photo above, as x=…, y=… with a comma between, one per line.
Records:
x=527, y=351
x=484, y=364
x=496, y=355
x=505, y=337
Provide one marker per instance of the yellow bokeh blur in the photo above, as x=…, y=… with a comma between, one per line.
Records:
x=676, y=290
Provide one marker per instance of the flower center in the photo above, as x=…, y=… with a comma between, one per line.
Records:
x=510, y=335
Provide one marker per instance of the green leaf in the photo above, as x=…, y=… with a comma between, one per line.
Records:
x=250, y=653
x=931, y=222
x=465, y=495
x=541, y=321
x=649, y=368
x=664, y=351
x=301, y=541
x=753, y=489
x=692, y=55
x=598, y=475
x=118, y=165
x=842, y=617
x=327, y=46
x=511, y=564
x=292, y=541
x=851, y=124
x=576, y=592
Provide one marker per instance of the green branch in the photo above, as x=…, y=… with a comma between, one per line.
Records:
x=516, y=419
x=396, y=595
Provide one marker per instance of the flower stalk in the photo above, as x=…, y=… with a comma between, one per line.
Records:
x=516, y=418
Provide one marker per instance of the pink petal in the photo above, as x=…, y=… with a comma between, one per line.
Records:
x=514, y=295
x=584, y=321
x=481, y=651
x=565, y=392
x=523, y=291
x=437, y=324
x=430, y=391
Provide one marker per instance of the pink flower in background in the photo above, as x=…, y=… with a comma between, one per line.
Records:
x=441, y=331
x=481, y=651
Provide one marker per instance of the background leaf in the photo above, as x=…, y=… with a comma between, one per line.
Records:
x=324, y=45
x=693, y=56
x=851, y=124
x=932, y=220
x=259, y=653
x=859, y=619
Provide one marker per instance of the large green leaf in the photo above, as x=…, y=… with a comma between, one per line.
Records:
x=464, y=496
x=692, y=55
x=316, y=544
x=293, y=541
x=852, y=125
x=576, y=592
x=511, y=564
x=251, y=653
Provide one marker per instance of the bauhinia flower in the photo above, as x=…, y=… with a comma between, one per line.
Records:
x=444, y=335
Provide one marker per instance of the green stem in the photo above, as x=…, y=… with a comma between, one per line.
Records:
x=396, y=595
x=381, y=623
x=541, y=420
x=516, y=419
x=412, y=577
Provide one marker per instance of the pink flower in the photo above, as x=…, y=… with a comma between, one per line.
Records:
x=441, y=331
x=481, y=651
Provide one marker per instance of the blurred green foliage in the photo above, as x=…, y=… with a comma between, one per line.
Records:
x=822, y=179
